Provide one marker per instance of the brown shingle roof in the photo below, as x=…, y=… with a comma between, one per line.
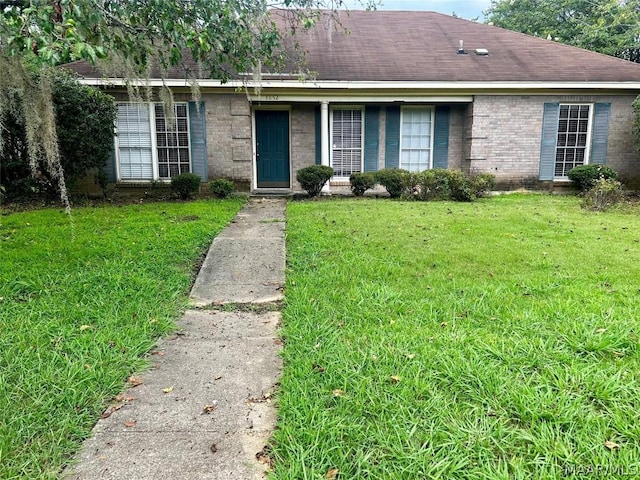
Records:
x=398, y=46
x=421, y=46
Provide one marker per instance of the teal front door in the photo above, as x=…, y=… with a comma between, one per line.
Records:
x=272, y=148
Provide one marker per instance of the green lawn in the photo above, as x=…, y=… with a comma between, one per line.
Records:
x=80, y=304
x=493, y=340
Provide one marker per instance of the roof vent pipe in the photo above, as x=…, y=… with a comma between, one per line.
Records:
x=461, y=49
x=482, y=52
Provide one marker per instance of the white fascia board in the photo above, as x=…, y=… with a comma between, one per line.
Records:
x=466, y=87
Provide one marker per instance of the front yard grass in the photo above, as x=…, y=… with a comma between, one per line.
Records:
x=80, y=305
x=492, y=340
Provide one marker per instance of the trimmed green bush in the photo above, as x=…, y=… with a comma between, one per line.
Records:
x=585, y=176
x=185, y=185
x=361, y=182
x=444, y=184
x=313, y=178
x=394, y=180
x=221, y=187
x=482, y=184
x=604, y=194
x=433, y=184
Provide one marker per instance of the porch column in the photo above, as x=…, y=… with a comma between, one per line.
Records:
x=324, y=139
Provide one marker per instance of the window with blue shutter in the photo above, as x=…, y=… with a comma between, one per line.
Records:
x=150, y=148
x=371, y=138
x=600, y=135
x=392, y=137
x=441, y=137
x=573, y=135
x=549, y=140
x=198, y=138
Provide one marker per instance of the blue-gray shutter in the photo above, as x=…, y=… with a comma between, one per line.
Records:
x=600, y=134
x=110, y=168
x=318, y=136
x=441, y=137
x=198, y=140
x=549, y=141
x=392, y=138
x=371, y=138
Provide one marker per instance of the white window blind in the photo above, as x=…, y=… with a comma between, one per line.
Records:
x=415, y=146
x=134, y=141
x=139, y=157
x=346, y=142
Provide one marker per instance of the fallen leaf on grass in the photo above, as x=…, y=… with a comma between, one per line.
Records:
x=611, y=445
x=168, y=389
x=130, y=423
x=332, y=473
x=395, y=378
x=338, y=393
x=84, y=327
x=134, y=381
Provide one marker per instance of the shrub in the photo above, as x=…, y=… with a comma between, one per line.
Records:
x=461, y=187
x=434, y=184
x=185, y=185
x=394, y=180
x=585, y=176
x=482, y=184
x=605, y=193
x=221, y=188
x=313, y=178
x=443, y=184
x=361, y=182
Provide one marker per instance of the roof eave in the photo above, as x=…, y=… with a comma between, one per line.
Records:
x=457, y=86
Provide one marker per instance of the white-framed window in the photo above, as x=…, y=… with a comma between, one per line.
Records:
x=574, y=132
x=347, y=127
x=148, y=148
x=416, y=138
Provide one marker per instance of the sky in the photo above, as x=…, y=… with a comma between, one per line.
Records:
x=469, y=9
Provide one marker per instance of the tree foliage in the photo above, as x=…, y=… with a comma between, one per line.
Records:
x=606, y=26
x=221, y=36
x=84, y=127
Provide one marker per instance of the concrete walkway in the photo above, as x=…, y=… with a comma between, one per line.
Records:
x=204, y=411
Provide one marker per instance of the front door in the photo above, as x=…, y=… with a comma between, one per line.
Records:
x=272, y=148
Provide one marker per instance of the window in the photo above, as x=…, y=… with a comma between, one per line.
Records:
x=146, y=154
x=346, y=152
x=415, y=139
x=574, y=125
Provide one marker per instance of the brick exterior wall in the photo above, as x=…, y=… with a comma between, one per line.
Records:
x=303, y=140
x=229, y=138
x=497, y=134
x=503, y=136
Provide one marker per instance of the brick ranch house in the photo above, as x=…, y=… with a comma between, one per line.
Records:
x=414, y=90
